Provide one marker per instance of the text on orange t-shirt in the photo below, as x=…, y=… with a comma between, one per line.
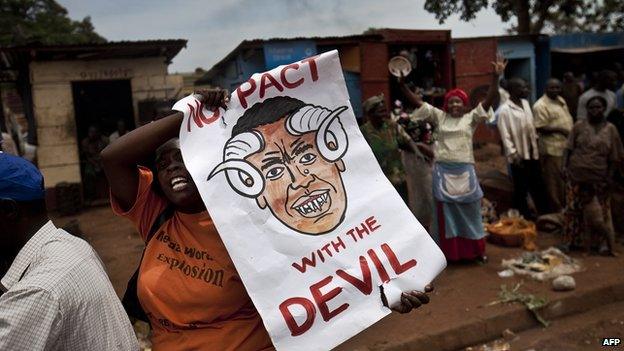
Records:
x=187, y=284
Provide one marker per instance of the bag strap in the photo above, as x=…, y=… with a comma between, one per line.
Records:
x=164, y=216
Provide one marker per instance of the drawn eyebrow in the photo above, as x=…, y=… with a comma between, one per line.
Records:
x=268, y=162
x=300, y=149
x=297, y=141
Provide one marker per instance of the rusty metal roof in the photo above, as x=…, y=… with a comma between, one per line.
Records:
x=15, y=55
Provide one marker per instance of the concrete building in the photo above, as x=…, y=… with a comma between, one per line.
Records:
x=71, y=87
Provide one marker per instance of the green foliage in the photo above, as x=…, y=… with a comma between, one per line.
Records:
x=531, y=302
x=42, y=21
x=536, y=16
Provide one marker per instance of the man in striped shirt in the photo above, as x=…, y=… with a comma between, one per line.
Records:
x=54, y=291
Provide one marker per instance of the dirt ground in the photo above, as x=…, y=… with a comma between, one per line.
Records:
x=489, y=157
x=583, y=332
x=461, y=293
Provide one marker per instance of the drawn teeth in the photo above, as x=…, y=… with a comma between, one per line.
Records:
x=312, y=206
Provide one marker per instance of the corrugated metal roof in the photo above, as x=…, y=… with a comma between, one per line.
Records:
x=100, y=44
x=586, y=49
x=583, y=40
x=94, y=51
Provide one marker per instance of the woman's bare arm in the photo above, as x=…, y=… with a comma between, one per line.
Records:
x=120, y=158
x=413, y=98
x=492, y=93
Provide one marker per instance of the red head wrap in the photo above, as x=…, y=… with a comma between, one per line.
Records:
x=455, y=92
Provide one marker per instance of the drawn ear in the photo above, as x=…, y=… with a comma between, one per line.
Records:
x=340, y=165
x=331, y=137
x=261, y=201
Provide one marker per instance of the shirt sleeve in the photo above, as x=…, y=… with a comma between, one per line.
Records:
x=427, y=111
x=540, y=115
x=147, y=206
x=30, y=319
x=505, y=132
x=479, y=114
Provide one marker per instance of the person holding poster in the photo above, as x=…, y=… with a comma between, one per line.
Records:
x=188, y=286
x=317, y=232
x=457, y=225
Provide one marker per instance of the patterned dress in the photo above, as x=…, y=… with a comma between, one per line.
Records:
x=385, y=143
x=594, y=151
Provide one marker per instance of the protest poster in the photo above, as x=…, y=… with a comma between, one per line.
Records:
x=311, y=223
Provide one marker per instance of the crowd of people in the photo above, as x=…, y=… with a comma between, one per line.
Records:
x=564, y=155
x=54, y=291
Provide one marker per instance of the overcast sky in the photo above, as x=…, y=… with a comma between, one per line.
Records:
x=214, y=28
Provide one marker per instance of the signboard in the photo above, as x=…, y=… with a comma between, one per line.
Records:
x=283, y=53
x=311, y=223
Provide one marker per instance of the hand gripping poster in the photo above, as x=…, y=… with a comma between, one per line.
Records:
x=314, y=228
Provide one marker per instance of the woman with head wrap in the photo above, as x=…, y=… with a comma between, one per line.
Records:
x=383, y=136
x=593, y=154
x=457, y=225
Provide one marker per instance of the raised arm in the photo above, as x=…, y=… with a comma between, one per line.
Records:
x=120, y=158
x=413, y=98
x=492, y=93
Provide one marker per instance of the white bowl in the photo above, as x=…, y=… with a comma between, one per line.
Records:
x=398, y=65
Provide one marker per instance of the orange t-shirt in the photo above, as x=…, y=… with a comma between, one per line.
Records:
x=188, y=285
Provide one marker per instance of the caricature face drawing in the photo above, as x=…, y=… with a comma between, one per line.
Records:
x=287, y=155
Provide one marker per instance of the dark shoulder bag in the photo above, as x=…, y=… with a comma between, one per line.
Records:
x=130, y=300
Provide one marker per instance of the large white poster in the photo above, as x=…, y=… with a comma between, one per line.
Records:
x=310, y=221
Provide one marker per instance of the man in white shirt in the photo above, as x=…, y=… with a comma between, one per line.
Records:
x=54, y=291
x=604, y=86
x=515, y=123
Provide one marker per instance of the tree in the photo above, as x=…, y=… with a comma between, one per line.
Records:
x=42, y=21
x=535, y=16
